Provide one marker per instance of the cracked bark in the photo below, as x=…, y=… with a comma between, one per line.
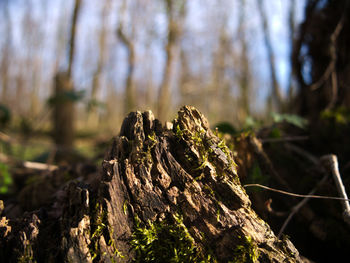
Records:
x=150, y=173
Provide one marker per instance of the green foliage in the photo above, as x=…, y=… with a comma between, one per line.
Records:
x=251, y=123
x=93, y=103
x=289, y=118
x=226, y=127
x=67, y=96
x=5, y=115
x=275, y=133
x=247, y=252
x=340, y=115
x=5, y=179
x=256, y=176
x=26, y=127
x=165, y=241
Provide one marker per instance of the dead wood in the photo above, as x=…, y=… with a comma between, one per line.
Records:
x=163, y=195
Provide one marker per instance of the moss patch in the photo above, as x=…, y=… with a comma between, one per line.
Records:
x=166, y=241
x=246, y=252
x=100, y=227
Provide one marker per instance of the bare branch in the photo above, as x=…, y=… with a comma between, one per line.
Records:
x=331, y=162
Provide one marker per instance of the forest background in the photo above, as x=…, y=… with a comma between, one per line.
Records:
x=230, y=59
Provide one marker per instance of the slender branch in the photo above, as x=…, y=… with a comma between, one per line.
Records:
x=297, y=207
x=73, y=36
x=39, y=166
x=309, y=195
x=285, y=139
x=331, y=69
x=331, y=162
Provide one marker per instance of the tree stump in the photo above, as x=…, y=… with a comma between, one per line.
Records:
x=164, y=195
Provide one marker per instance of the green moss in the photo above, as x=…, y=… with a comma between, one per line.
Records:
x=5, y=179
x=222, y=145
x=146, y=155
x=246, y=252
x=98, y=228
x=116, y=252
x=178, y=132
x=207, y=149
x=27, y=257
x=125, y=207
x=166, y=241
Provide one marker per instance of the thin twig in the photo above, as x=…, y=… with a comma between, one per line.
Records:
x=329, y=162
x=285, y=139
x=310, y=195
x=297, y=207
x=39, y=166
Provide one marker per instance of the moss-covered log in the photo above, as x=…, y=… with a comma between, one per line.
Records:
x=164, y=195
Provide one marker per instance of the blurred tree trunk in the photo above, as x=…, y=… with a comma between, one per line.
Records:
x=244, y=72
x=63, y=103
x=218, y=88
x=322, y=46
x=276, y=98
x=63, y=113
x=129, y=103
x=5, y=52
x=93, y=118
x=291, y=23
x=61, y=37
x=185, y=79
x=35, y=84
x=175, y=13
x=73, y=29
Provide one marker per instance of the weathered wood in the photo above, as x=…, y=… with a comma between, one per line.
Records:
x=163, y=195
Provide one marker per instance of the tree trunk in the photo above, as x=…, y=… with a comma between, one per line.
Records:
x=245, y=70
x=129, y=85
x=73, y=30
x=176, y=12
x=275, y=92
x=63, y=112
x=163, y=196
x=93, y=116
x=63, y=102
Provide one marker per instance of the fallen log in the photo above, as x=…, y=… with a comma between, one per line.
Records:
x=164, y=195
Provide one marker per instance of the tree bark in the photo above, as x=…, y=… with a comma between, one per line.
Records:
x=162, y=195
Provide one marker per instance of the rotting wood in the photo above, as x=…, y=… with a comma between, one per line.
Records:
x=154, y=182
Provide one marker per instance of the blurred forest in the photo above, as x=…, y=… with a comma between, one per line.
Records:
x=70, y=71
x=230, y=59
